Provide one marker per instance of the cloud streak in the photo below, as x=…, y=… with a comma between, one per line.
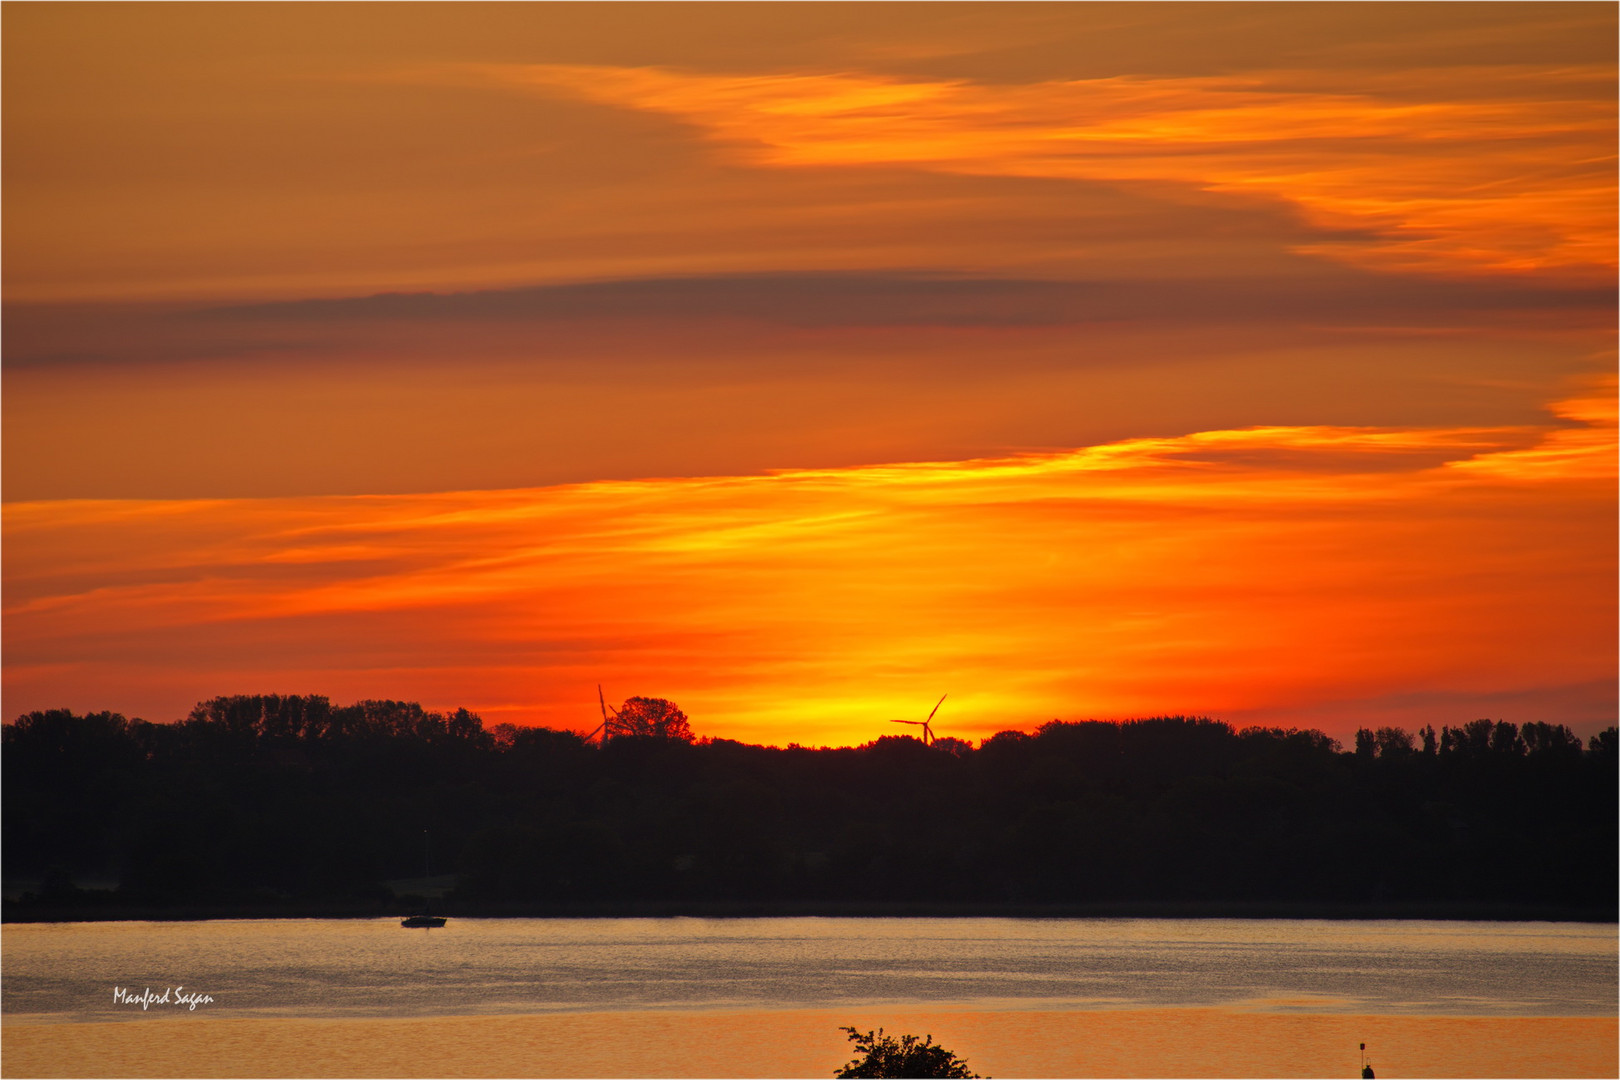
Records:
x=51, y=334
x=900, y=299
x=1520, y=179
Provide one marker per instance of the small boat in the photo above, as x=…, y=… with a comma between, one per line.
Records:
x=423, y=921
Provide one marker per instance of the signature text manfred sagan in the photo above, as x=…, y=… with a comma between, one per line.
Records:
x=172, y=995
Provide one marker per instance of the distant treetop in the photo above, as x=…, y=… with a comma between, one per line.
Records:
x=656, y=717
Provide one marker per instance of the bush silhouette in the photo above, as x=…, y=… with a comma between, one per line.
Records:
x=907, y=1056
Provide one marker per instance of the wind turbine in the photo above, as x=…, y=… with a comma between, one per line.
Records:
x=606, y=726
x=928, y=732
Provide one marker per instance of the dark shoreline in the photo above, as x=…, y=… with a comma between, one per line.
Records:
x=271, y=807
x=12, y=912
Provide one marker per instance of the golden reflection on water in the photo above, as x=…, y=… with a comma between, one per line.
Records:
x=1010, y=1043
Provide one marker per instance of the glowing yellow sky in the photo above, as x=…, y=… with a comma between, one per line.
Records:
x=804, y=362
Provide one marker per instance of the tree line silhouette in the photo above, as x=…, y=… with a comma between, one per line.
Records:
x=289, y=803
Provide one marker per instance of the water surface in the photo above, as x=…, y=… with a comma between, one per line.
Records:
x=765, y=996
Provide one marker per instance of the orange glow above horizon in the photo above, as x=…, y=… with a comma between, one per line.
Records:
x=1503, y=180
x=1309, y=576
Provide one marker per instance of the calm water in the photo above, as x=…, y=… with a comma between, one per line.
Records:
x=689, y=996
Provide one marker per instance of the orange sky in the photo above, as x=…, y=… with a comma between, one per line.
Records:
x=802, y=363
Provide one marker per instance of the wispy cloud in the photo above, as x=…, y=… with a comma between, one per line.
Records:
x=1518, y=179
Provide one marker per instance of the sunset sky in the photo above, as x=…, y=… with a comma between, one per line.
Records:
x=803, y=362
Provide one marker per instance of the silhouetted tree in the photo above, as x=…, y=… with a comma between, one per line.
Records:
x=951, y=744
x=1540, y=738
x=1393, y=742
x=271, y=716
x=1366, y=743
x=1505, y=738
x=656, y=717
x=1472, y=739
x=907, y=1056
